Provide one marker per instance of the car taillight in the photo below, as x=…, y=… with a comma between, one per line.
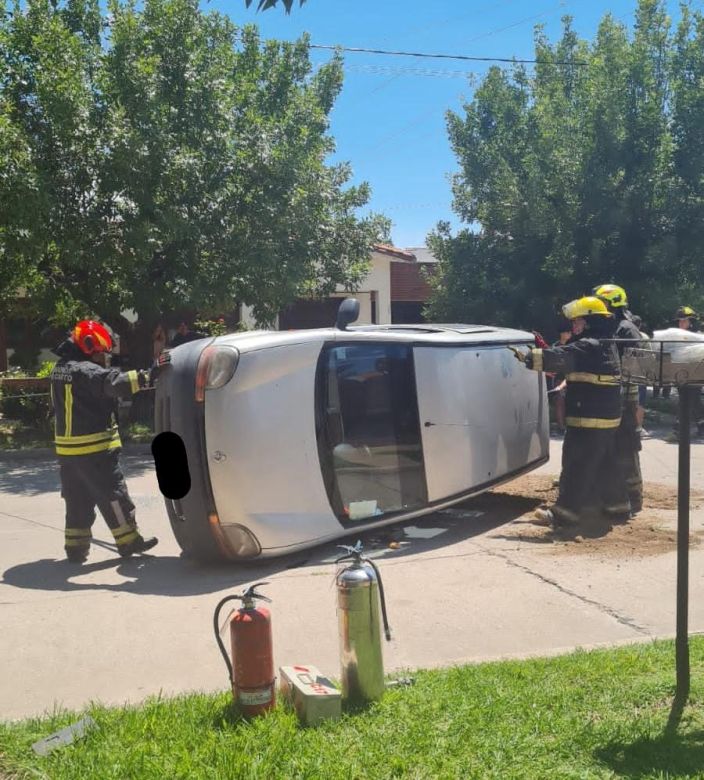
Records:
x=216, y=367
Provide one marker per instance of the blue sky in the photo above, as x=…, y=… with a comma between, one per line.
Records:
x=389, y=121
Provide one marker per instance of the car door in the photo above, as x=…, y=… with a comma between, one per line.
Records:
x=368, y=433
x=481, y=416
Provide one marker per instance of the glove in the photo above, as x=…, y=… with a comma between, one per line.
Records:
x=540, y=341
x=143, y=379
x=518, y=354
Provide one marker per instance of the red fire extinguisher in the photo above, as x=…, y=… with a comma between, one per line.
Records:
x=252, y=669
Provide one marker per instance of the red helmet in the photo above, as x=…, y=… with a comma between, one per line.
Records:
x=91, y=337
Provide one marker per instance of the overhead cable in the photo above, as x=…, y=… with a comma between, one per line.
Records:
x=511, y=60
x=401, y=71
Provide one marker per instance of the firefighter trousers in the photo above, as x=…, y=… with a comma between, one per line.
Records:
x=627, y=456
x=588, y=475
x=94, y=480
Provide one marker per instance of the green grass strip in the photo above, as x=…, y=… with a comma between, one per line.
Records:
x=599, y=714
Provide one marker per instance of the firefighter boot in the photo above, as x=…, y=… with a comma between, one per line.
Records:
x=543, y=516
x=77, y=555
x=77, y=544
x=555, y=517
x=138, y=545
x=619, y=513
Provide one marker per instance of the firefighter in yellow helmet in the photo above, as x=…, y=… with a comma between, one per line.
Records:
x=628, y=443
x=84, y=392
x=593, y=413
x=688, y=319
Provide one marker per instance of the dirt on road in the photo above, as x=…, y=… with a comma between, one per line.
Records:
x=651, y=532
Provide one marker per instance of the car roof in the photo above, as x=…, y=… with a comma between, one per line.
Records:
x=422, y=333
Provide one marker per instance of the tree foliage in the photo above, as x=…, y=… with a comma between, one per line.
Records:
x=588, y=170
x=154, y=156
x=263, y=5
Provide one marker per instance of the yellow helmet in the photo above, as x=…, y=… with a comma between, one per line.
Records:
x=585, y=307
x=685, y=312
x=615, y=295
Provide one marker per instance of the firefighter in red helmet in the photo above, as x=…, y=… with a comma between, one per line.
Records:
x=84, y=391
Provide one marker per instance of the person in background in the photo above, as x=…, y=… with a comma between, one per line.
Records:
x=184, y=334
x=688, y=319
x=158, y=341
x=591, y=367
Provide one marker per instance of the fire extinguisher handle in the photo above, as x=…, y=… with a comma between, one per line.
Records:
x=251, y=592
x=351, y=552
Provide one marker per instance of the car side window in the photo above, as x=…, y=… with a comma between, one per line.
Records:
x=369, y=436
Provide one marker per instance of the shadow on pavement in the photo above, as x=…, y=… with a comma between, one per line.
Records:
x=29, y=477
x=144, y=575
x=669, y=755
x=180, y=576
x=32, y=477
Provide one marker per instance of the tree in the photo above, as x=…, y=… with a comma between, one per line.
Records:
x=583, y=172
x=263, y=5
x=170, y=159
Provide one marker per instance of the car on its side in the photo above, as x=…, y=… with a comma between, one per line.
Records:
x=297, y=438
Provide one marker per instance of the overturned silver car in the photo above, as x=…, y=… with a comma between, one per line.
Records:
x=297, y=438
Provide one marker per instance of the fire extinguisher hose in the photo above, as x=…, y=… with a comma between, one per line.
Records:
x=387, y=630
x=216, y=627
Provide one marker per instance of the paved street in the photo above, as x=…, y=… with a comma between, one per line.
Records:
x=465, y=585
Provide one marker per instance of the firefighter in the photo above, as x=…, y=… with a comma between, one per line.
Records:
x=688, y=319
x=628, y=443
x=84, y=393
x=593, y=406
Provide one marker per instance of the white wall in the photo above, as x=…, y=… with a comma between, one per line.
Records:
x=378, y=280
x=247, y=317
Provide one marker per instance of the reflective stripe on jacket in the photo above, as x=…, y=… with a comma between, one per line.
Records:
x=84, y=395
x=592, y=371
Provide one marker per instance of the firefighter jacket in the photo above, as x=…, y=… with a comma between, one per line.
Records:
x=84, y=397
x=592, y=371
x=626, y=329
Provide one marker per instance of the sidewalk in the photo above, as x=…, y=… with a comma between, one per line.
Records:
x=465, y=585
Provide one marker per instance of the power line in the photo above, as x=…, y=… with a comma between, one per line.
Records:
x=562, y=4
x=512, y=60
x=401, y=71
x=433, y=24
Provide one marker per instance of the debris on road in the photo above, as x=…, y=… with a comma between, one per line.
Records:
x=64, y=737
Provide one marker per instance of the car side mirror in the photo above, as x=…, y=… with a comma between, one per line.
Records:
x=347, y=313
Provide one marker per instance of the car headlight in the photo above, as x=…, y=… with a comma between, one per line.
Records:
x=216, y=367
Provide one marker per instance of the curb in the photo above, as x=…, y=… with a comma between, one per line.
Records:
x=42, y=453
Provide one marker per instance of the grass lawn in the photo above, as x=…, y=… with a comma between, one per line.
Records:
x=589, y=714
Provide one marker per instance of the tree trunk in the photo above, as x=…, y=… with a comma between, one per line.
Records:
x=3, y=345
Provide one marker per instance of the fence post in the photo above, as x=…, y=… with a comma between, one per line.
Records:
x=683, y=485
